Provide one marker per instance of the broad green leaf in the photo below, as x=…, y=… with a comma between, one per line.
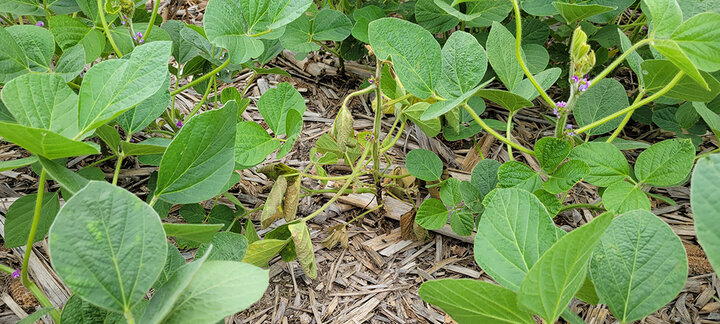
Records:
x=484, y=176
x=550, y=201
x=622, y=196
x=462, y=222
x=634, y=60
x=44, y=142
x=22, y=7
x=666, y=163
x=254, y=144
x=226, y=246
x=603, y=99
x=658, y=73
x=140, y=116
x=690, y=8
x=182, y=50
x=37, y=43
x=516, y=174
x=500, y=51
x=198, y=162
x=463, y=63
x=89, y=251
x=42, y=101
x=363, y=16
x=77, y=310
x=545, y=78
x=711, y=118
x=141, y=148
x=472, y=197
x=672, y=51
x=303, y=246
x=566, y=176
x=430, y=127
x=665, y=16
x=260, y=252
x=572, y=12
x=19, y=218
x=72, y=182
x=69, y=31
x=698, y=38
x=109, y=136
x=332, y=25
x=507, y=100
x=298, y=36
x=433, y=18
x=34, y=317
x=703, y=199
x=201, y=233
x=112, y=87
x=432, y=214
x=424, y=164
x=174, y=261
x=550, y=152
x=239, y=284
x=607, y=164
x=17, y=163
x=536, y=57
x=441, y=107
x=513, y=232
x=450, y=192
x=419, y=71
x=474, y=301
x=560, y=272
x=71, y=63
x=293, y=127
x=639, y=265
x=484, y=13
x=13, y=61
x=539, y=7
x=275, y=104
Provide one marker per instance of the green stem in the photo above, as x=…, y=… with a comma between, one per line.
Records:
x=394, y=101
x=363, y=214
x=107, y=29
x=129, y=317
x=102, y=160
x=625, y=120
x=397, y=136
x=202, y=101
x=200, y=79
x=509, y=135
x=518, y=54
x=617, y=61
x=337, y=195
x=317, y=177
x=24, y=274
x=118, y=164
x=707, y=153
x=634, y=106
x=6, y=269
x=152, y=19
x=576, y=206
x=395, y=176
x=494, y=133
x=377, y=123
x=153, y=201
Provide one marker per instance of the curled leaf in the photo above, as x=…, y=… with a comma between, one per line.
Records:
x=292, y=196
x=304, y=249
x=273, y=206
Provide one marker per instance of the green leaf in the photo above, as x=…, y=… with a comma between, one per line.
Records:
x=672, y=51
x=19, y=218
x=666, y=163
x=433, y=18
x=482, y=13
x=516, y=174
x=432, y=214
x=658, y=73
x=34, y=317
x=622, y=196
x=560, y=272
x=607, y=164
x=484, y=176
x=109, y=136
x=182, y=50
x=275, y=104
x=37, y=43
x=332, y=25
x=303, y=246
x=141, y=149
x=507, y=100
x=698, y=39
x=17, y=163
x=201, y=233
x=462, y=222
x=545, y=78
x=450, y=192
x=430, y=127
x=419, y=71
x=260, y=252
x=71, y=181
x=551, y=202
x=441, y=107
x=44, y=142
x=474, y=301
x=197, y=167
x=603, y=99
x=254, y=145
x=140, y=116
x=550, y=152
x=174, y=261
x=272, y=210
x=69, y=31
x=77, y=310
x=711, y=118
x=536, y=57
x=703, y=199
x=89, y=251
x=298, y=36
x=573, y=12
x=472, y=197
x=424, y=164
x=566, y=176
x=640, y=265
x=71, y=63
x=114, y=86
x=227, y=246
x=42, y=101
x=513, y=232
x=634, y=60
x=13, y=61
x=463, y=63
x=363, y=16
x=500, y=50
x=665, y=15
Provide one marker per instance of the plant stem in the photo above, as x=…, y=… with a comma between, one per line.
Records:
x=377, y=124
x=129, y=317
x=202, y=101
x=317, y=177
x=200, y=79
x=6, y=269
x=107, y=29
x=24, y=273
x=634, y=106
x=397, y=136
x=509, y=134
x=518, y=54
x=494, y=133
x=152, y=19
x=394, y=101
x=118, y=164
x=358, y=168
x=617, y=61
x=625, y=120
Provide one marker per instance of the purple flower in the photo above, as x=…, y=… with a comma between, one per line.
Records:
x=561, y=104
x=16, y=273
x=141, y=41
x=371, y=80
x=134, y=37
x=568, y=126
x=179, y=123
x=40, y=23
x=571, y=133
x=139, y=34
x=575, y=78
x=584, y=85
x=123, y=22
x=555, y=111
